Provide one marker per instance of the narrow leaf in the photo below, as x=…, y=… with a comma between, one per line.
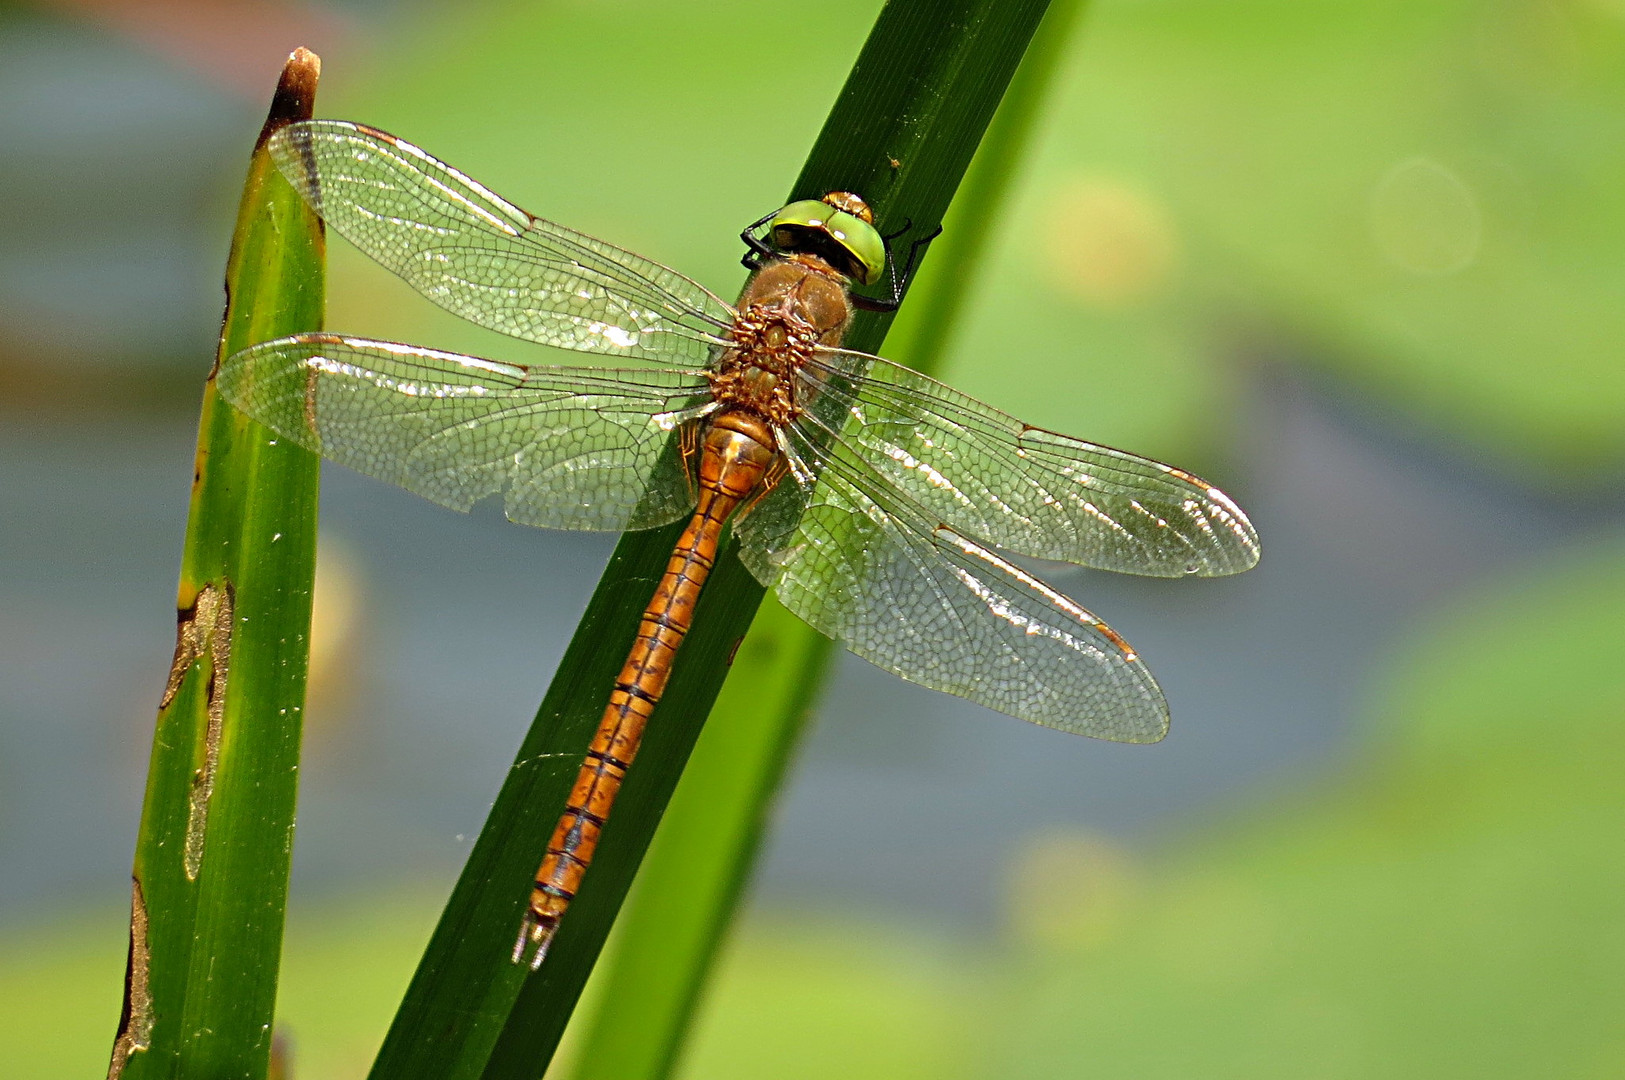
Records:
x=212, y=855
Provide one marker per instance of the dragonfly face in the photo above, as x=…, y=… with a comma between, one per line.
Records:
x=839, y=228
x=869, y=497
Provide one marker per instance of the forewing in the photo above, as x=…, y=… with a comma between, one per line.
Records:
x=985, y=474
x=480, y=256
x=566, y=447
x=933, y=606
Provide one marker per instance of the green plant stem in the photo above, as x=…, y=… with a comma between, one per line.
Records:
x=212, y=855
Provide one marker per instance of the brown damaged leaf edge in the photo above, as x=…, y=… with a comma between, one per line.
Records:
x=295, y=93
x=135, y=1025
x=294, y=99
x=203, y=632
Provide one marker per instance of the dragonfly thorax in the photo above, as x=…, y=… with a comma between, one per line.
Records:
x=788, y=310
x=804, y=287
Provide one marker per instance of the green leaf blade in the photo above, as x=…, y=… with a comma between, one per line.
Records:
x=213, y=850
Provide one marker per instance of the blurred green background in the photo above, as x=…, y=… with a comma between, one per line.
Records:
x=1357, y=262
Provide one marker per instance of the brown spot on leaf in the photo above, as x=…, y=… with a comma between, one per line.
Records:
x=203, y=633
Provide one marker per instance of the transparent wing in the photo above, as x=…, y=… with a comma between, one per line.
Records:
x=931, y=605
x=478, y=255
x=985, y=474
x=568, y=448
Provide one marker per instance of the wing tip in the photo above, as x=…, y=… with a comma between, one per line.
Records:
x=1152, y=735
x=1235, y=560
x=1134, y=726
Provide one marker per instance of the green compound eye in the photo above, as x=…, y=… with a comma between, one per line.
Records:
x=833, y=229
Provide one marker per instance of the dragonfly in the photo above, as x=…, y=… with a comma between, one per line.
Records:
x=878, y=504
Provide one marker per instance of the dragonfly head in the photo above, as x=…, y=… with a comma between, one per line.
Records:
x=839, y=228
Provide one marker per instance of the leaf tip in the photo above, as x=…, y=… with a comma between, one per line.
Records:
x=295, y=97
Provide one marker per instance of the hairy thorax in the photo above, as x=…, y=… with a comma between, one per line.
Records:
x=788, y=309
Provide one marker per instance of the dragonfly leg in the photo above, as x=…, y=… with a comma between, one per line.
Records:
x=899, y=279
x=908, y=223
x=760, y=250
